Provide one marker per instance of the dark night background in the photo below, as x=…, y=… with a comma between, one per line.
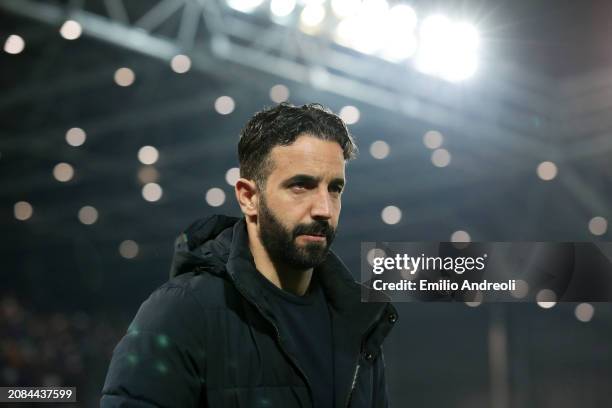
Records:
x=542, y=93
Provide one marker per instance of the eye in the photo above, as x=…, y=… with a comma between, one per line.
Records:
x=297, y=187
x=336, y=189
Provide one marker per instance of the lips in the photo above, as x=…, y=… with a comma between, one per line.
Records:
x=314, y=237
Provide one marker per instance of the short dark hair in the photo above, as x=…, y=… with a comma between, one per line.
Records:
x=281, y=125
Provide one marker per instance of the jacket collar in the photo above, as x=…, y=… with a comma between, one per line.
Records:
x=342, y=291
x=358, y=328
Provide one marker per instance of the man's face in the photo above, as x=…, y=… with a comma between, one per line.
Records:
x=299, y=210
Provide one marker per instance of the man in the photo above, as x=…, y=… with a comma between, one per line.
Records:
x=259, y=312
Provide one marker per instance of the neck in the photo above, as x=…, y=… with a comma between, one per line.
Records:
x=284, y=277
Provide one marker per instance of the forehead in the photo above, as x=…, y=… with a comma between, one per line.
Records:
x=308, y=155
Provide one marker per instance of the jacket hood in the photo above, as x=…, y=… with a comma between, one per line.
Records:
x=205, y=244
x=218, y=244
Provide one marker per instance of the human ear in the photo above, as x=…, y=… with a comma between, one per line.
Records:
x=246, y=195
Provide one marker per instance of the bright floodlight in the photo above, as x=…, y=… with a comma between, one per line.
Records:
x=244, y=6
x=312, y=15
x=347, y=30
x=433, y=36
x=282, y=8
x=447, y=49
x=371, y=33
x=374, y=7
x=372, y=28
x=345, y=8
x=400, y=42
x=363, y=33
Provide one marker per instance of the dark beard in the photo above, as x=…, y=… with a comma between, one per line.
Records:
x=280, y=243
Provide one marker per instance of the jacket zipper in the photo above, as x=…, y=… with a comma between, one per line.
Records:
x=358, y=366
x=353, y=384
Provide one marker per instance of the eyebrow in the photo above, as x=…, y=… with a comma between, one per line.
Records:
x=305, y=178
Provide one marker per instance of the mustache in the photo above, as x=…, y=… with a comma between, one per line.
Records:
x=315, y=228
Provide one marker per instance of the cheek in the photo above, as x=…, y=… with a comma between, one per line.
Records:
x=337, y=208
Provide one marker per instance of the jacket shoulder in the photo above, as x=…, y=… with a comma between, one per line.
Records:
x=209, y=290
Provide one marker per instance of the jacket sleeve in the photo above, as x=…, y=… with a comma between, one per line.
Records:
x=380, y=394
x=160, y=360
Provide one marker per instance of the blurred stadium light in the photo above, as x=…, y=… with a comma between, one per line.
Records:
x=504, y=99
x=246, y=32
x=210, y=32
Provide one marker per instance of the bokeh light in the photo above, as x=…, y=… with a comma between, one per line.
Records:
x=460, y=236
x=584, y=312
x=128, y=249
x=546, y=298
x=75, y=136
x=375, y=253
x=124, y=77
x=23, y=210
x=224, y=105
x=391, y=215
x=440, y=158
x=152, y=192
x=71, y=30
x=312, y=15
x=521, y=289
x=433, y=139
x=215, y=197
x=477, y=301
x=232, y=176
x=279, y=93
x=14, y=44
x=598, y=226
x=349, y=114
x=379, y=149
x=88, y=215
x=63, y=172
x=148, y=155
x=547, y=170
x=180, y=63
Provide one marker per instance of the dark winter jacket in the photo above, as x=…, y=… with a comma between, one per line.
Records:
x=208, y=338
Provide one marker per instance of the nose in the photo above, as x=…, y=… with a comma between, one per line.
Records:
x=322, y=205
